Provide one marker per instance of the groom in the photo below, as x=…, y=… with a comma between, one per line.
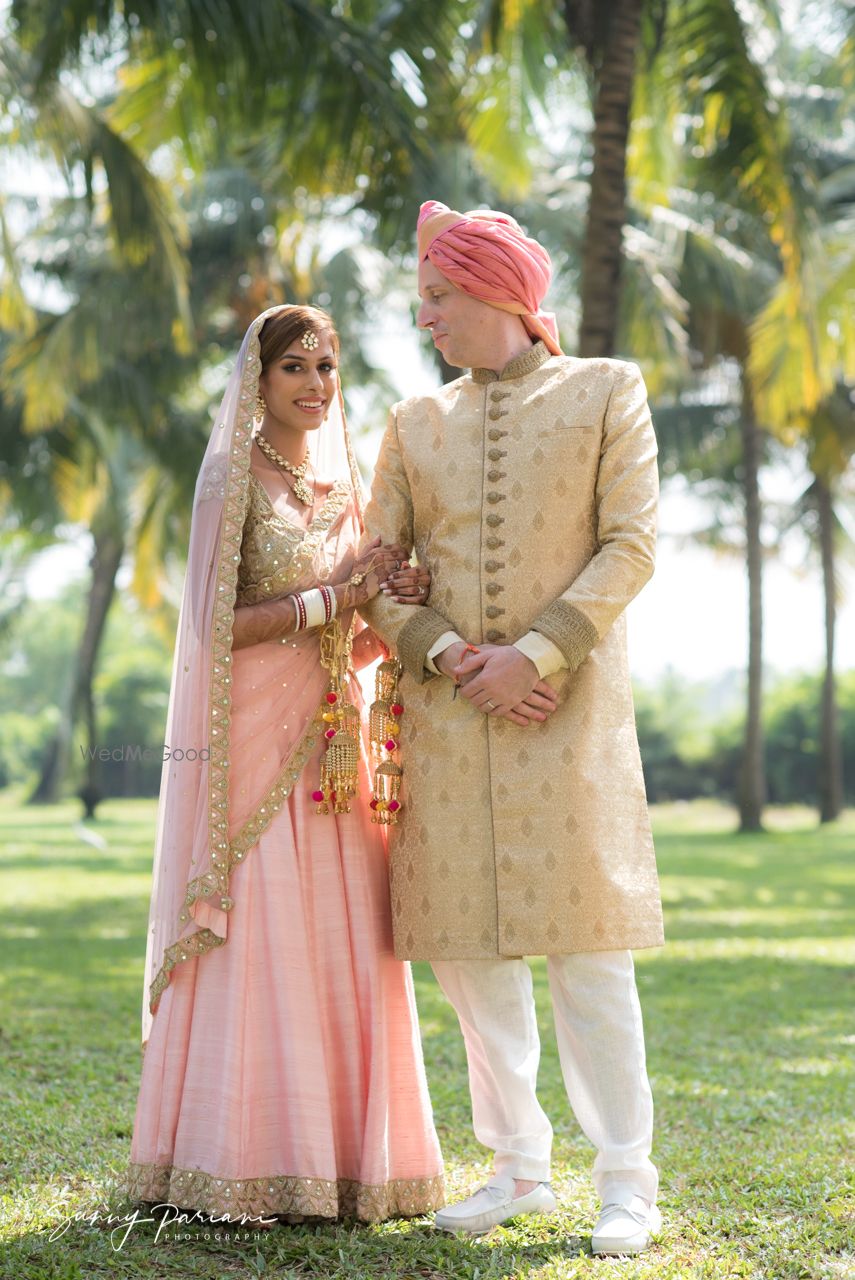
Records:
x=529, y=488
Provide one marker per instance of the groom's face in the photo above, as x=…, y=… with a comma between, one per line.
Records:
x=462, y=328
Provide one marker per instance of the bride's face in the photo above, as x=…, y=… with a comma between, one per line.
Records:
x=299, y=387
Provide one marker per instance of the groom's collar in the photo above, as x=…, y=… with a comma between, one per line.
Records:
x=516, y=368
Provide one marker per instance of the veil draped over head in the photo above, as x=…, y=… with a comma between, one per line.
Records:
x=193, y=851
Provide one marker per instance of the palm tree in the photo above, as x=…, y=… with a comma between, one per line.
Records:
x=804, y=370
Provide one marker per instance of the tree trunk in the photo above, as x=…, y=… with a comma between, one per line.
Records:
x=752, y=789
x=603, y=247
x=830, y=753
x=106, y=558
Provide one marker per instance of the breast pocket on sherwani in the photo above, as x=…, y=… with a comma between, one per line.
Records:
x=562, y=427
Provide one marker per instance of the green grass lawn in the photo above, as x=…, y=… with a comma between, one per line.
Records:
x=750, y=1033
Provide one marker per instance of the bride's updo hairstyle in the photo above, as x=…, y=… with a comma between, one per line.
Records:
x=279, y=331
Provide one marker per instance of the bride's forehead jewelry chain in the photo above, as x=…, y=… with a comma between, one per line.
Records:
x=301, y=489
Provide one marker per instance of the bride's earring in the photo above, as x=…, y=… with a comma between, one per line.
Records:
x=260, y=406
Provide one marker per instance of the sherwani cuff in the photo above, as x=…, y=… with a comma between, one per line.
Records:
x=415, y=639
x=444, y=642
x=568, y=628
x=545, y=655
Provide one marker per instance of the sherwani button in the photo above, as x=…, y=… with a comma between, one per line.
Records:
x=493, y=611
x=494, y=497
x=495, y=434
x=493, y=475
x=495, y=414
x=494, y=521
x=493, y=588
x=493, y=635
x=494, y=543
x=496, y=454
x=499, y=395
x=493, y=566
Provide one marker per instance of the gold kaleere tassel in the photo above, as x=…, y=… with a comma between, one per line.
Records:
x=340, y=718
x=383, y=729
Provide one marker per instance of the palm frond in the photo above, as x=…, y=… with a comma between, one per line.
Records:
x=143, y=217
x=803, y=341
x=740, y=129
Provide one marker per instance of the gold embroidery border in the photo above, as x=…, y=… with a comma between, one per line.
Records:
x=219, y=686
x=415, y=638
x=331, y=507
x=522, y=364
x=570, y=629
x=284, y=1194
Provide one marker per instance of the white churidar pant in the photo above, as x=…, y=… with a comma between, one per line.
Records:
x=601, y=1046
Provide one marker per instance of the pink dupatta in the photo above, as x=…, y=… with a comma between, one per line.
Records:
x=206, y=824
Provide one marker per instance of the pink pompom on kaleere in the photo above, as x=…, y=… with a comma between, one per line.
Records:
x=396, y=709
x=390, y=744
x=372, y=804
x=330, y=733
x=394, y=806
x=332, y=698
x=317, y=795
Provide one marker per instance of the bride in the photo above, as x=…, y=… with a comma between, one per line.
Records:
x=282, y=1070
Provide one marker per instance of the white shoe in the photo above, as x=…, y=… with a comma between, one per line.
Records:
x=623, y=1228
x=492, y=1204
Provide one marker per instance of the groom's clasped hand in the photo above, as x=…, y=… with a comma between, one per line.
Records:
x=500, y=681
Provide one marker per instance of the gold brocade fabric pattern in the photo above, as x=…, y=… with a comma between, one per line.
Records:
x=304, y=1197
x=277, y=552
x=530, y=495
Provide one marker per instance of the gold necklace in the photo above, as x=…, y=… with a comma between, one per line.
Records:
x=301, y=489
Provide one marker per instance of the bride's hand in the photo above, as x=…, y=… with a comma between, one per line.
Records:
x=408, y=585
x=371, y=567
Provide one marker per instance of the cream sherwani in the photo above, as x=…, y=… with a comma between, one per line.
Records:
x=532, y=500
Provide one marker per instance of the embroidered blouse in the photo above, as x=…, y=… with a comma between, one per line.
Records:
x=277, y=553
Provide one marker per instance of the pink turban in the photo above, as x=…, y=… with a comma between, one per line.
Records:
x=487, y=255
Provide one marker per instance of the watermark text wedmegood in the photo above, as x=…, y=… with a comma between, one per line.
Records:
x=148, y=754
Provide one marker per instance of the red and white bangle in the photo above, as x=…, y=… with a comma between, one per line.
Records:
x=330, y=602
x=300, y=606
x=315, y=608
